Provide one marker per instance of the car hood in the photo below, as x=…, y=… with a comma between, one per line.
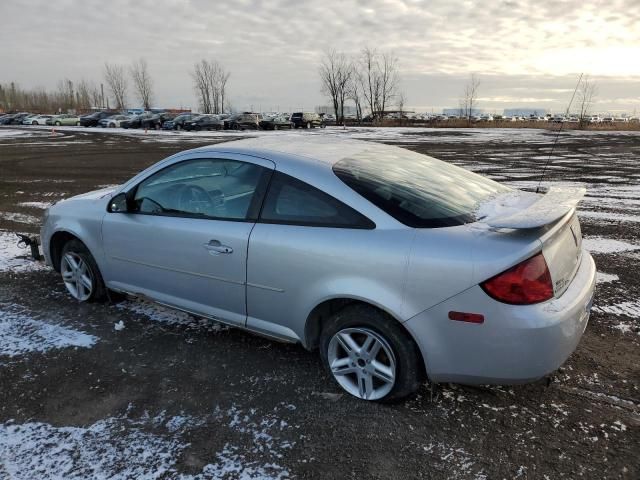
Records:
x=95, y=194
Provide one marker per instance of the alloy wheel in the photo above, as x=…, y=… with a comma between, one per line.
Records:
x=362, y=362
x=77, y=276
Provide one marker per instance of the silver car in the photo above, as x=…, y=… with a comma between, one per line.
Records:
x=398, y=267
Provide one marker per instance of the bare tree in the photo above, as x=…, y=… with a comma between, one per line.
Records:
x=210, y=83
x=355, y=92
x=336, y=72
x=388, y=71
x=116, y=80
x=142, y=82
x=378, y=79
x=369, y=79
x=587, y=91
x=402, y=100
x=470, y=97
x=222, y=81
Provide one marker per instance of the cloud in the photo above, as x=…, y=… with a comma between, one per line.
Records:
x=273, y=48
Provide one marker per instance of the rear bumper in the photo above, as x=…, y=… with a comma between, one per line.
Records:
x=515, y=344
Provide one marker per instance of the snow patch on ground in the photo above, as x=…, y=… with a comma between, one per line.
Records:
x=607, y=245
x=19, y=217
x=42, y=205
x=16, y=259
x=629, y=309
x=21, y=334
x=602, y=277
x=160, y=314
x=10, y=133
x=145, y=447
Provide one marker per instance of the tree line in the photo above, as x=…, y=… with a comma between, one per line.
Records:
x=209, y=77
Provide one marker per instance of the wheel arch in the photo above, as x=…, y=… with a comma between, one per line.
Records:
x=328, y=307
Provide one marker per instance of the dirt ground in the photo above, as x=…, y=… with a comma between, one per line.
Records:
x=131, y=390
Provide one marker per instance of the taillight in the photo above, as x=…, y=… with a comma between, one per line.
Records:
x=526, y=283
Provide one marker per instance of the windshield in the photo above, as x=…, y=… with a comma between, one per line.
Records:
x=415, y=189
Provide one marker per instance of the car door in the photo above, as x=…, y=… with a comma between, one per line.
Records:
x=182, y=240
x=308, y=246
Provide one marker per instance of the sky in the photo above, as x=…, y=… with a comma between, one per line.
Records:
x=525, y=53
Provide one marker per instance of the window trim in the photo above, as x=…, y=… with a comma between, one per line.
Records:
x=255, y=204
x=368, y=224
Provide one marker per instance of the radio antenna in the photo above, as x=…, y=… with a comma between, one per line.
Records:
x=544, y=170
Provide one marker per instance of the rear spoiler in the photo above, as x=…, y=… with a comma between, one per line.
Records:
x=526, y=211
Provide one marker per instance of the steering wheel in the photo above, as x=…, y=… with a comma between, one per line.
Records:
x=194, y=199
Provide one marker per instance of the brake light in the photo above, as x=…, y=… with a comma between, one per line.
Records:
x=526, y=283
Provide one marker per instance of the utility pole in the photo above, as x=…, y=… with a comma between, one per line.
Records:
x=102, y=94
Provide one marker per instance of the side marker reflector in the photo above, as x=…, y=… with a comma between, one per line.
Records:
x=466, y=317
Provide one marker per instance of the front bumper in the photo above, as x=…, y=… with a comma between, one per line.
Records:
x=515, y=344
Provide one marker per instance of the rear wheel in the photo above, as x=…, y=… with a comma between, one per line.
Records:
x=308, y=125
x=34, y=123
x=80, y=273
x=77, y=124
x=369, y=355
x=57, y=124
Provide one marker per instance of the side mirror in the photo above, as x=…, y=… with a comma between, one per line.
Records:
x=118, y=204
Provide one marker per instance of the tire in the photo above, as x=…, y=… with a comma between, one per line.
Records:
x=77, y=124
x=275, y=127
x=80, y=273
x=34, y=123
x=178, y=127
x=397, y=358
x=57, y=124
x=308, y=125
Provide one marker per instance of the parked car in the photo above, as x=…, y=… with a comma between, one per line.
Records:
x=92, y=119
x=135, y=121
x=156, y=120
x=392, y=263
x=63, y=120
x=275, y=123
x=36, y=119
x=178, y=122
x=113, y=121
x=6, y=119
x=306, y=120
x=204, y=122
x=243, y=121
x=17, y=118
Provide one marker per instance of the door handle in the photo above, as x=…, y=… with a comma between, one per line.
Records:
x=216, y=248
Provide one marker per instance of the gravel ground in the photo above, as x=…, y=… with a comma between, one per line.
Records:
x=132, y=390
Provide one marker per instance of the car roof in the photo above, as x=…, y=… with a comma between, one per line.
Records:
x=296, y=149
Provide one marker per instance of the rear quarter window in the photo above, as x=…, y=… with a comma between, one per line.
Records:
x=293, y=202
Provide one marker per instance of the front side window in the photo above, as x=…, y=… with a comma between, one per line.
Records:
x=293, y=202
x=211, y=188
x=415, y=189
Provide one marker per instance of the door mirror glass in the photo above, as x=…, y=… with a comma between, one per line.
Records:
x=118, y=204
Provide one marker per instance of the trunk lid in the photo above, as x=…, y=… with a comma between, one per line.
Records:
x=562, y=249
x=551, y=217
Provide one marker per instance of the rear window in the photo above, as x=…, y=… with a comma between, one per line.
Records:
x=415, y=189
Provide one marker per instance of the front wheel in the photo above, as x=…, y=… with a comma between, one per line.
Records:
x=57, y=124
x=77, y=124
x=308, y=125
x=370, y=355
x=80, y=273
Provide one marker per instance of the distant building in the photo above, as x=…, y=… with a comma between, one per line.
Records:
x=525, y=112
x=348, y=109
x=459, y=111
